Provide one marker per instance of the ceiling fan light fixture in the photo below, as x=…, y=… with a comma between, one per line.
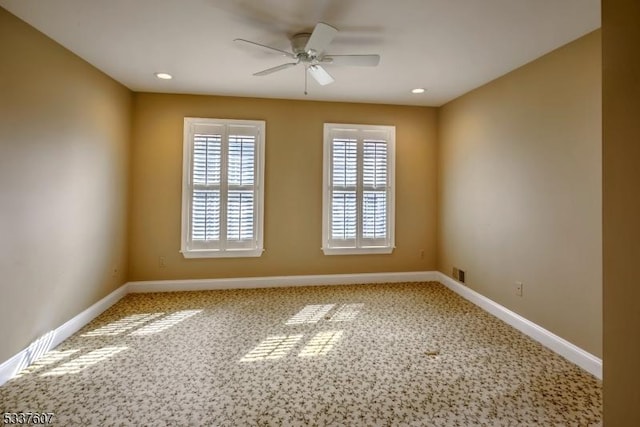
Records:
x=418, y=90
x=163, y=76
x=320, y=75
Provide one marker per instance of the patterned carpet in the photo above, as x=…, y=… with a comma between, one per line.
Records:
x=411, y=354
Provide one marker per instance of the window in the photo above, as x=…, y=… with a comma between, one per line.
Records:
x=222, y=188
x=358, y=196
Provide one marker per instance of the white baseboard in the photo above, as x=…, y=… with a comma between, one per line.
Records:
x=52, y=338
x=11, y=367
x=585, y=360
x=279, y=281
x=564, y=348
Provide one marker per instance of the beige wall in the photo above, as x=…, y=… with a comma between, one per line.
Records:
x=293, y=188
x=520, y=191
x=64, y=131
x=621, y=197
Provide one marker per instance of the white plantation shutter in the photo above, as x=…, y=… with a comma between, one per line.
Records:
x=358, y=196
x=344, y=189
x=205, y=208
x=222, y=194
x=241, y=213
x=374, y=192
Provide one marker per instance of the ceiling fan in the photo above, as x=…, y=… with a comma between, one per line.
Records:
x=309, y=50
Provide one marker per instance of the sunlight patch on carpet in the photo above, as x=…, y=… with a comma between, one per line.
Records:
x=123, y=325
x=321, y=344
x=50, y=358
x=347, y=312
x=83, y=362
x=274, y=347
x=310, y=314
x=165, y=323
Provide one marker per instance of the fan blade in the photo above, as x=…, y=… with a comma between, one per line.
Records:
x=321, y=75
x=274, y=69
x=357, y=60
x=272, y=49
x=320, y=38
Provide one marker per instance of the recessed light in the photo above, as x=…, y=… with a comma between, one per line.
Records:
x=164, y=76
x=417, y=90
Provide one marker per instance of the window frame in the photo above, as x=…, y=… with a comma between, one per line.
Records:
x=187, y=247
x=330, y=130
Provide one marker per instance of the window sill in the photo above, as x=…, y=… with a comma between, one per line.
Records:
x=358, y=251
x=229, y=253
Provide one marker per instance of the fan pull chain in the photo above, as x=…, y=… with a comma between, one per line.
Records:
x=306, y=72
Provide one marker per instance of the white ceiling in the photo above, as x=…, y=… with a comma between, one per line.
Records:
x=448, y=47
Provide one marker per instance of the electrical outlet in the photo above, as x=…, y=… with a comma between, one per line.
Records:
x=162, y=262
x=518, y=288
x=461, y=276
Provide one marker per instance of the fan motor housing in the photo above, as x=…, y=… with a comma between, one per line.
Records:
x=299, y=42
